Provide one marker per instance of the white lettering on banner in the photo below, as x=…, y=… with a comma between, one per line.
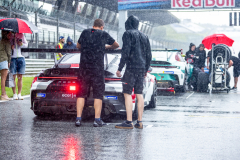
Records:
x=202, y=3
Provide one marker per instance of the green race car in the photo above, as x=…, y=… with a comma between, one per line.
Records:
x=170, y=70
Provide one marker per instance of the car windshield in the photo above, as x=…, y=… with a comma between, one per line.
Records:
x=71, y=59
x=161, y=55
x=75, y=59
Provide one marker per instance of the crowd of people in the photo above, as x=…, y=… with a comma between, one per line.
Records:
x=136, y=56
x=12, y=60
x=62, y=45
x=199, y=56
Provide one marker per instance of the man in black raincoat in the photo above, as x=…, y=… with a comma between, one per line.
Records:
x=191, y=52
x=198, y=56
x=136, y=54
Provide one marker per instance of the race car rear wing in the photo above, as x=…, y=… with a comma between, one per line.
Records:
x=108, y=51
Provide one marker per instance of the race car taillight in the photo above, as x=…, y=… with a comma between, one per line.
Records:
x=72, y=88
x=34, y=80
x=133, y=97
x=74, y=66
x=112, y=79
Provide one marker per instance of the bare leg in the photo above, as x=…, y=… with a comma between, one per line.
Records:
x=14, y=88
x=235, y=81
x=98, y=107
x=129, y=105
x=140, y=104
x=80, y=105
x=4, y=73
x=19, y=83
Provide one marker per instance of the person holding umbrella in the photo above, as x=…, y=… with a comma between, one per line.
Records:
x=18, y=65
x=18, y=41
x=5, y=59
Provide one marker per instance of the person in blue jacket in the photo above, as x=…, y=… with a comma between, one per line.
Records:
x=69, y=45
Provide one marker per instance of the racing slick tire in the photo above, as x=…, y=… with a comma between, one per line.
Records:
x=153, y=102
x=202, y=83
x=183, y=88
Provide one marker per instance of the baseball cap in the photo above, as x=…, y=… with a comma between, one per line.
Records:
x=61, y=37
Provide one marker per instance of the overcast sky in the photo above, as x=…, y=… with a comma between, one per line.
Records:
x=213, y=17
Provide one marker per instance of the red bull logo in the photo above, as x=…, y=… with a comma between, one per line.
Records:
x=202, y=3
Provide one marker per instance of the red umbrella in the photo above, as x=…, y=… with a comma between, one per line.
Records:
x=217, y=39
x=15, y=25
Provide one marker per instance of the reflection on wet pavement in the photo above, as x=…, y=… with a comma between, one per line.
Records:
x=197, y=127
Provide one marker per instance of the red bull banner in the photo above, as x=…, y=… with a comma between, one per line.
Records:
x=176, y=4
x=202, y=3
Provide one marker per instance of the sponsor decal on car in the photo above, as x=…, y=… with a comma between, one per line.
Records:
x=69, y=95
x=111, y=97
x=168, y=72
x=41, y=95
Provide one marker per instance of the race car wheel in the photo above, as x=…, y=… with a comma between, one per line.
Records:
x=153, y=102
x=40, y=114
x=183, y=88
x=202, y=83
x=36, y=113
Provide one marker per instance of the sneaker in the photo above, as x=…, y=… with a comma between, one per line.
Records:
x=15, y=97
x=78, y=123
x=124, y=125
x=139, y=125
x=99, y=123
x=234, y=88
x=20, y=97
x=5, y=98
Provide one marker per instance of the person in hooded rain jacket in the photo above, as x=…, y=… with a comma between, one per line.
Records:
x=70, y=44
x=191, y=52
x=136, y=55
x=198, y=62
x=202, y=56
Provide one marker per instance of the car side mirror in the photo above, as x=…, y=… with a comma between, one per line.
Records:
x=149, y=69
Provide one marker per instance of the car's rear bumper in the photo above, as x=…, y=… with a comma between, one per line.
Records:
x=68, y=105
x=167, y=84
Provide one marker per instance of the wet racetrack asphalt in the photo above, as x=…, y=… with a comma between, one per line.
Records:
x=183, y=126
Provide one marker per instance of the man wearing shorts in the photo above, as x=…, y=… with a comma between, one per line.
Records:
x=91, y=71
x=136, y=54
x=235, y=62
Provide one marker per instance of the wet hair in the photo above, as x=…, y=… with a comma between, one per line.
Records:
x=5, y=35
x=98, y=23
x=201, y=45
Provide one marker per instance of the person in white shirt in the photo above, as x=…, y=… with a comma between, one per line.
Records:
x=18, y=65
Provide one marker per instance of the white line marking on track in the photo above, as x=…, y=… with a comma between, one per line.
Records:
x=27, y=96
x=190, y=95
x=149, y=126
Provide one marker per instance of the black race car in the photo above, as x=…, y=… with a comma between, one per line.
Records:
x=54, y=90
